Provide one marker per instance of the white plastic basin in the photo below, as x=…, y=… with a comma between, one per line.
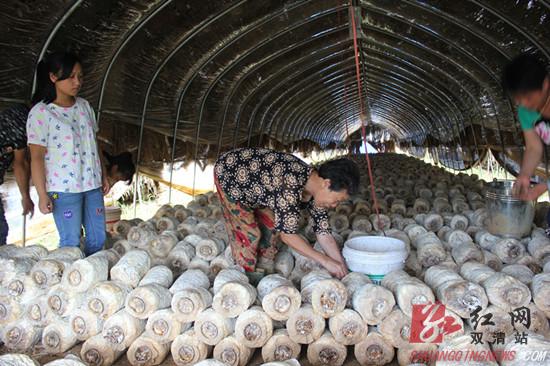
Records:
x=375, y=256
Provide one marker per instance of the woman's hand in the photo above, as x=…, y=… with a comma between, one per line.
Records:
x=45, y=204
x=330, y=247
x=334, y=262
x=521, y=186
x=335, y=268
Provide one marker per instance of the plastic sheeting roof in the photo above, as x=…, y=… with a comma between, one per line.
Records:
x=227, y=73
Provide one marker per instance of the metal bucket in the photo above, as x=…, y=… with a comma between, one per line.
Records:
x=507, y=216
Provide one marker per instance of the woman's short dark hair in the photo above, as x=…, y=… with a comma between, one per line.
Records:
x=343, y=174
x=525, y=73
x=124, y=162
x=60, y=64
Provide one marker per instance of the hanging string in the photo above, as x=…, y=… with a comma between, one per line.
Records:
x=349, y=145
x=363, y=116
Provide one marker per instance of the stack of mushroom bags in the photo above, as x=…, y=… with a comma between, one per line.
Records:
x=171, y=288
x=441, y=217
x=167, y=286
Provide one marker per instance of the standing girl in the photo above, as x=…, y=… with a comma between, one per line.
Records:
x=65, y=164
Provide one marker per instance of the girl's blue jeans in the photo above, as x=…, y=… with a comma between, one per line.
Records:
x=71, y=211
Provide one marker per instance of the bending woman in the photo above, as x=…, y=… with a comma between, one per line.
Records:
x=65, y=164
x=263, y=193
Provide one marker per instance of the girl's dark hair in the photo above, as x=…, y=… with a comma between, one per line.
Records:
x=60, y=64
x=125, y=164
x=525, y=73
x=343, y=174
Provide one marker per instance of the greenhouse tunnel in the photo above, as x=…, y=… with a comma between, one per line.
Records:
x=186, y=80
x=179, y=82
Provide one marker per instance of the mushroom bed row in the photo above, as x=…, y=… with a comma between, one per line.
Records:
x=168, y=286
